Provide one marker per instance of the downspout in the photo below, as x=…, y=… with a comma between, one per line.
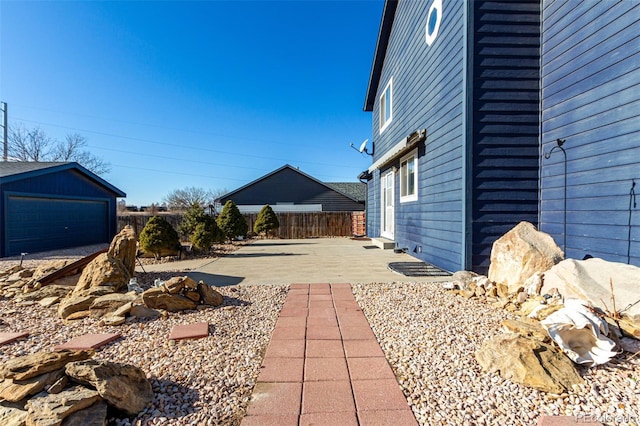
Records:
x=540, y=115
x=467, y=142
x=632, y=205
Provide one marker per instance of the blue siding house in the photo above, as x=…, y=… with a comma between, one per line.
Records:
x=590, y=87
x=454, y=91
x=47, y=206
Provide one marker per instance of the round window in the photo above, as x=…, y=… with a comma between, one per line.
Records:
x=434, y=16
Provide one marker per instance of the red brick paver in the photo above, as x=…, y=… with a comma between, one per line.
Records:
x=11, y=337
x=197, y=330
x=88, y=341
x=324, y=366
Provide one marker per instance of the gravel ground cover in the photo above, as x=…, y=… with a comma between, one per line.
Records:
x=430, y=337
x=32, y=260
x=196, y=382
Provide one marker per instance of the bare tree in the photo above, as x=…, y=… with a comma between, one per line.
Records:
x=36, y=145
x=182, y=199
x=29, y=145
x=72, y=150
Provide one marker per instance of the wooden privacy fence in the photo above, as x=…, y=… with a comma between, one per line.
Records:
x=304, y=225
x=292, y=225
x=139, y=220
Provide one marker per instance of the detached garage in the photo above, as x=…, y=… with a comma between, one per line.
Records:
x=48, y=206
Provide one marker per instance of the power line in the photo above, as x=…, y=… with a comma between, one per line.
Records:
x=244, y=155
x=157, y=126
x=173, y=158
x=172, y=172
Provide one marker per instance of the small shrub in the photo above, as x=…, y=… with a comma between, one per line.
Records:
x=266, y=222
x=158, y=236
x=205, y=234
x=192, y=217
x=231, y=222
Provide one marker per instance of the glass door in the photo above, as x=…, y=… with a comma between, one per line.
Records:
x=387, y=207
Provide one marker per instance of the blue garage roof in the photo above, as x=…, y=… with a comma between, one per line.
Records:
x=11, y=171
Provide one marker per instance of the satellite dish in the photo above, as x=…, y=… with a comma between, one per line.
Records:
x=363, y=147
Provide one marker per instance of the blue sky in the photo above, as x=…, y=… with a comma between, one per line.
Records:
x=212, y=94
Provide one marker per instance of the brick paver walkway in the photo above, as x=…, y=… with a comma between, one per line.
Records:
x=323, y=366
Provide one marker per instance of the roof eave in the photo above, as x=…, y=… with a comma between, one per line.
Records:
x=388, y=14
x=56, y=167
x=228, y=195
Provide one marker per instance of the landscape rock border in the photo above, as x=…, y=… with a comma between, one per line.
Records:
x=45, y=388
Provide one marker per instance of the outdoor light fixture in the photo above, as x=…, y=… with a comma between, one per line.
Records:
x=547, y=155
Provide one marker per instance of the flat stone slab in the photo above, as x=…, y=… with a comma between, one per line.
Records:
x=88, y=341
x=10, y=337
x=197, y=330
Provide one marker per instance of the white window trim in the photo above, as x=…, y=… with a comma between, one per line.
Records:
x=414, y=196
x=389, y=104
x=436, y=7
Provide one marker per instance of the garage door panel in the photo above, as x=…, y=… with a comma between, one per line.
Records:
x=38, y=224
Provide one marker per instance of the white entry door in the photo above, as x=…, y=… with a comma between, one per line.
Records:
x=387, y=207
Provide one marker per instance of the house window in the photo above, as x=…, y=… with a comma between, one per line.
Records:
x=409, y=177
x=434, y=17
x=386, y=106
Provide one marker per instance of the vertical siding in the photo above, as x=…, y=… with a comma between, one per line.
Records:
x=373, y=205
x=67, y=183
x=289, y=186
x=505, y=121
x=427, y=94
x=590, y=86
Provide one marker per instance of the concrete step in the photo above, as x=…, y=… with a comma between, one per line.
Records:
x=383, y=243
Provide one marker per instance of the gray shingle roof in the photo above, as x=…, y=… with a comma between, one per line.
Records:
x=355, y=190
x=17, y=170
x=10, y=168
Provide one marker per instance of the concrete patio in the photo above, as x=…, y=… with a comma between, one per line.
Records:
x=317, y=260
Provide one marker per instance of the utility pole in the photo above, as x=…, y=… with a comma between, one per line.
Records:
x=5, y=132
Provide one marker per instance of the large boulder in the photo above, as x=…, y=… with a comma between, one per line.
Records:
x=124, y=246
x=52, y=290
x=17, y=390
x=47, y=409
x=520, y=253
x=105, y=271
x=141, y=311
x=12, y=414
x=177, y=285
x=528, y=362
x=32, y=365
x=111, y=303
x=96, y=415
x=81, y=301
x=158, y=298
x=208, y=295
x=123, y=386
x=591, y=280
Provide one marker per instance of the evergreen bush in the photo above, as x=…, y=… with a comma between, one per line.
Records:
x=266, y=222
x=158, y=236
x=205, y=234
x=231, y=222
x=192, y=217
